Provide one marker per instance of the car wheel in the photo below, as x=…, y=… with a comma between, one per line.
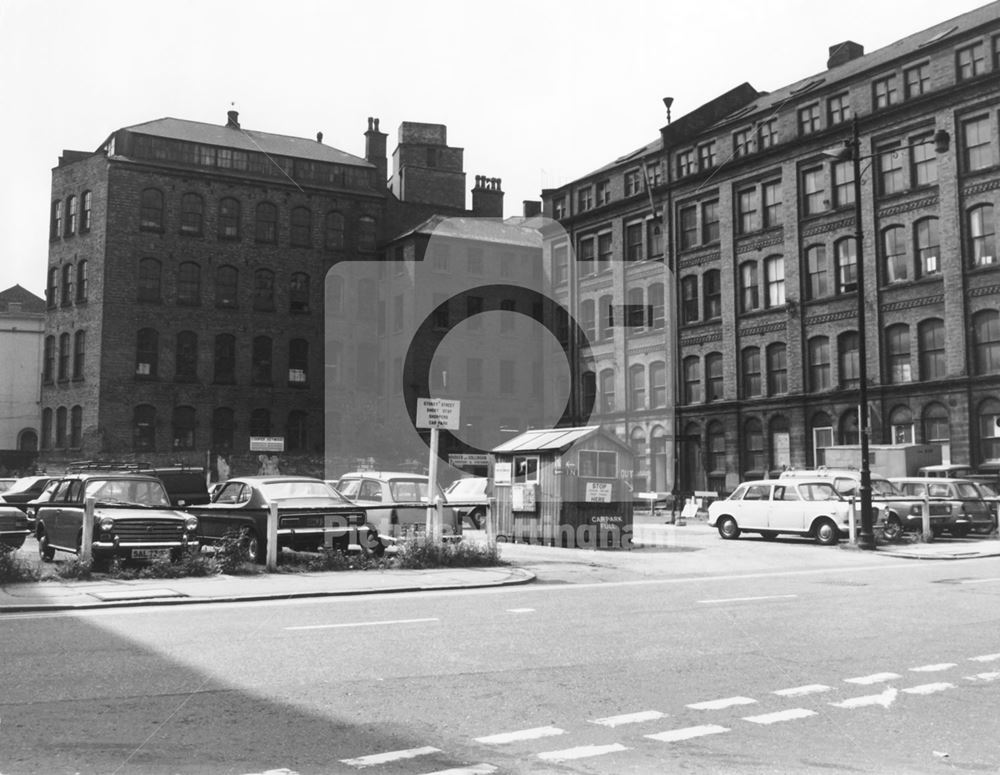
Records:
x=45, y=552
x=373, y=544
x=959, y=531
x=478, y=518
x=252, y=546
x=768, y=535
x=826, y=533
x=893, y=528
x=936, y=531
x=728, y=528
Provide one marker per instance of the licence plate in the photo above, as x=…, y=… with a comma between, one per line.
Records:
x=150, y=554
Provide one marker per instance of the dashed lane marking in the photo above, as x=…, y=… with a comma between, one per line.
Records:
x=523, y=734
x=782, y=715
x=361, y=624
x=985, y=658
x=520, y=610
x=687, y=733
x=929, y=688
x=390, y=756
x=885, y=699
x=875, y=678
x=581, y=752
x=472, y=769
x=977, y=581
x=798, y=691
x=629, y=718
x=933, y=668
x=728, y=702
x=746, y=599
x=983, y=677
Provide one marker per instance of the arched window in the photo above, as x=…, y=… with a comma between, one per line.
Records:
x=819, y=364
x=147, y=354
x=151, y=210
x=846, y=254
x=656, y=305
x=658, y=458
x=27, y=441
x=714, y=380
x=605, y=317
x=223, y=428
x=49, y=360
x=266, y=223
x=749, y=291
x=930, y=335
x=56, y=220
x=333, y=231
x=61, y=427
x=263, y=290
x=366, y=234
x=226, y=285
x=817, y=285
x=229, y=218
x=986, y=342
x=753, y=448
x=225, y=359
x=901, y=421
x=607, y=391
x=689, y=299
x=144, y=428
x=895, y=254
x=298, y=363
x=149, y=280
x=301, y=235
x=777, y=369
x=76, y=427
x=183, y=427
x=87, y=209
x=186, y=366
x=82, y=288
x=750, y=372
x=79, y=353
x=657, y=385
x=928, y=246
x=192, y=215
x=850, y=362
x=774, y=279
x=72, y=213
x=588, y=320
x=716, y=437
x=897, y=353
x=298, y=293
x=711, y=291
x=260, y=367
x=637, y=386
x=849, y=427
x=189, y=284
x=64, y=357
x=296, y=435
x=936, y=425
x=982, y=236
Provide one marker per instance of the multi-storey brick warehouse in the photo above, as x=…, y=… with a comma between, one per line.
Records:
x=185, y=284
x=763, y=262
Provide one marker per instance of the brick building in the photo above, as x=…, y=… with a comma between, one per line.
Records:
x=756, y=201
x=186, y=275
x=22, y=323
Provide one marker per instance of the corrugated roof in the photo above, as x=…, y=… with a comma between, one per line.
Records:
x=547, y=439
x=246, y=140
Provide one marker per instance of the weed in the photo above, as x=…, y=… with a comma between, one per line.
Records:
x=75, y=569
x=420, y=553
x=14, y=569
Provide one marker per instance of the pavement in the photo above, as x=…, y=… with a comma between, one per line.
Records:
x=660, y=549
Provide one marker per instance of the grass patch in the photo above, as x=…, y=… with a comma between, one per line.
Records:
x=14, y=569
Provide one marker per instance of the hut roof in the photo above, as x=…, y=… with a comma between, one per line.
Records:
x=553, y=439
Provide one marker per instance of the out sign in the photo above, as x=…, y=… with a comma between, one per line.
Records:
x=437, y=413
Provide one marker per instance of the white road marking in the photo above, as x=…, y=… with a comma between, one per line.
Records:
x=629, y=718
x=582, y=752
x=985, y=658
x=282, y=771
x=746, y=599
x=978, y=581
x=933, y=668
x=687, y=733
x=361, y=624
x=798, y=691
x=983, y=677
x=520, y=610
x=781, y=715
x=885, y=699
x=875, y=678
x=390, y=756
x=473, y=769
x=524, y=734
x=728, y=702
x=929, y=688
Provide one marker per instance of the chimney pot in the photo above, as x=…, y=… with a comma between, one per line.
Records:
x=319, y=137
x=233, y=119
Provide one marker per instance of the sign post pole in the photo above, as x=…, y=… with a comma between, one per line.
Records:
x=433, y=514
x=435, y=413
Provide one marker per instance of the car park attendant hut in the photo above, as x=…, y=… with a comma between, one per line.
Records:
x=563, y=487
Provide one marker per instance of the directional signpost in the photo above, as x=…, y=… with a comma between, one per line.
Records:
x=435, y=413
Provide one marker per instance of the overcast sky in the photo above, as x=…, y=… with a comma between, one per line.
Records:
x=537, y=93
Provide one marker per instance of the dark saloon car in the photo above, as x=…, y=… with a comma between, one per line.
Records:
x=311, y=515
x=13, y=527
x=133, y=519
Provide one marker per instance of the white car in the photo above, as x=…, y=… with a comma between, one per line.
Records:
x=396, y=502
x=771, y=506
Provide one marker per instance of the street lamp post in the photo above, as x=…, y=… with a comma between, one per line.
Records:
x=941, y=140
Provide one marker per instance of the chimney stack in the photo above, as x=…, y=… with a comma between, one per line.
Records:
x=843, y=53
x=532, y=208
x=234, y=120
x=375, y=152
x=487, y=198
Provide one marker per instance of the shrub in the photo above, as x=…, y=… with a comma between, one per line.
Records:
x=14, y=569
x=420, y=553
x=231, y=556
x=75, y=569
x=191, y=563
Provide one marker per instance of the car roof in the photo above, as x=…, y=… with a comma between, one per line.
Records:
x=932, y=479
x=384, y=475
x=273, y=478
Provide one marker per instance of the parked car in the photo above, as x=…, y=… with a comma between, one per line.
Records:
x=25, y=489
x=186, y=485
x=808, y=507
x=396, y=502
x=893, y=511
x=133, y=519
x=311, y=515
x=468, y=497
x=966, y=509
x=13, y=527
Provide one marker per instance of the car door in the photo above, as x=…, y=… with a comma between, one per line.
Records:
x=787, y=510
x=751, y=511
x=57, y=524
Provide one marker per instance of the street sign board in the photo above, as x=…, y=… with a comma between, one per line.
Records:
x=267, y=443
x=468, y=460
x=437, y=413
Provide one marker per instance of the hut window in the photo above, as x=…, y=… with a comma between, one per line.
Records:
x=525, y=469
x=598, y=464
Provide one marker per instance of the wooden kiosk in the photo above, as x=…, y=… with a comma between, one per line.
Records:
x=563, y=487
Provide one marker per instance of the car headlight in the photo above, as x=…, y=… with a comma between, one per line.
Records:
x=191, y=524
x=106, y=524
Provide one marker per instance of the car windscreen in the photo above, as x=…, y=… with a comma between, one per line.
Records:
x=130, y=492
x=408, y=490
x=884, y=488
x=319, y=492
x=22, y=484
x=349, y=487
x=966, y=490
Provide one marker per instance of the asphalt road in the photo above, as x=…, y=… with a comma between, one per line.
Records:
x=815, y=661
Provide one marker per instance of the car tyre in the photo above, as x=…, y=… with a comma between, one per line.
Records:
x=893, y=528
x=252, y=546
x=959, y=531
x=826, y=533
x=478, y=517
x=45, y=552
x=728, y=528
x=768, y=535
